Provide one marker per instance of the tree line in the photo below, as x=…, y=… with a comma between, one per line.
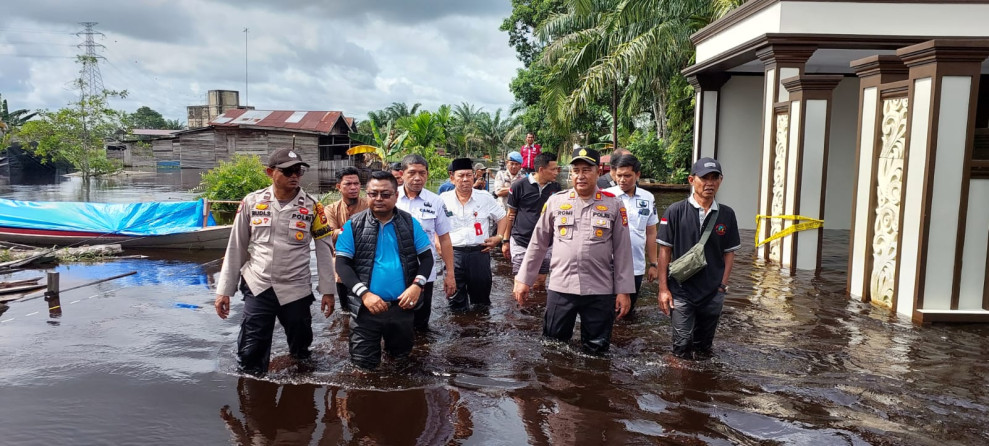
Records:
x=601, y=72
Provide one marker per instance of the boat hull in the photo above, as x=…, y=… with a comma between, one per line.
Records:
x=211, y=237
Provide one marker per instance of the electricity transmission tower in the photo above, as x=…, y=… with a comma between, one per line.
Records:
x=90, y=78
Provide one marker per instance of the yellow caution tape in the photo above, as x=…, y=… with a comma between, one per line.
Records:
x=808, y=223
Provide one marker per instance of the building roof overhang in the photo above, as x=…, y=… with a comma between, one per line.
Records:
x=841, y=31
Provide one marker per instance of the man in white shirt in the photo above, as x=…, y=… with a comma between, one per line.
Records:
x=430, y=211
x=642, y=219
x=471, y=212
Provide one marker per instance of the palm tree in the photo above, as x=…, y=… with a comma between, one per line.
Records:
x=423, y=130
x=625, y=50
x=498, y=134
x=11, y=120
x=399, y=110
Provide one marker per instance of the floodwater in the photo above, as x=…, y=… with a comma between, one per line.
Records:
x=145, y=360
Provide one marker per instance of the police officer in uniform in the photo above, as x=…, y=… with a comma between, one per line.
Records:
x=268, y=259
x=591, y=268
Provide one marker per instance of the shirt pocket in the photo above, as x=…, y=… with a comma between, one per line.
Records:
x=428, y=221
x=565, y=231
x=260, y=227
x=642, y=219
x=299, y=232
x=600, y=229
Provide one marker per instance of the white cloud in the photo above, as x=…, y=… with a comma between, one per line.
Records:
x=306, y=55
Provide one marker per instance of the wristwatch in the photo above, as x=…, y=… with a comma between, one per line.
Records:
x=420, y=281
x=723, y=287
x=654, y=264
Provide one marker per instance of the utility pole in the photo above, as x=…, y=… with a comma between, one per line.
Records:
x=247, y=94
x=91, y=80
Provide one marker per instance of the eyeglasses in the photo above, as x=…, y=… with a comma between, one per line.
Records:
x=298, y=169
x=384, y=195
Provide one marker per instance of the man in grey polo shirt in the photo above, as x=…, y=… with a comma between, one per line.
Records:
x=695, y=305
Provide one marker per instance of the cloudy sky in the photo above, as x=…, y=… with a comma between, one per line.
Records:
x=353, y=56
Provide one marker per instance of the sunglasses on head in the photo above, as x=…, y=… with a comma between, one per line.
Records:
x=297, y=169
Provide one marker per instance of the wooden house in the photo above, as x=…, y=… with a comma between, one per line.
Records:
x=320, y=137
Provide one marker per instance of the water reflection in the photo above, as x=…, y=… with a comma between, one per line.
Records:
x=273, y=413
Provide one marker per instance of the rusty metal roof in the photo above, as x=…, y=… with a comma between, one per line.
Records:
x=305, y=121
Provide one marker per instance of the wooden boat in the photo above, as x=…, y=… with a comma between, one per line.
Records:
x=178, y=225
x=210, y=237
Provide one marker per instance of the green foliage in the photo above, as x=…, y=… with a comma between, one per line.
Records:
x=526, y=16
x=76, y=134
x=437, y=162
x=388, y=140
x=233, y=180
x=10, y=121
x=147, y=118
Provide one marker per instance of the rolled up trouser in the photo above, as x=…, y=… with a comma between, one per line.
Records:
x=424, y=308
x=694, y=324
x=367, y=330
x=472, y=271
x=260, y=311
x=518, y=253
x=597, y=317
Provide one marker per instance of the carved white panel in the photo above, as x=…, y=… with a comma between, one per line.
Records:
x=779, y=181
x=889, y=183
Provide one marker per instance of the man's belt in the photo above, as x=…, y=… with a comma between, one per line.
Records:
x=468, y=248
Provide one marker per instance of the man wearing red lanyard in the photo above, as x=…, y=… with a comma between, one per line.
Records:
x=471, y=213
x=529, y=152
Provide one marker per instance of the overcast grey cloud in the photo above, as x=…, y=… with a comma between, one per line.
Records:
x=301, y=54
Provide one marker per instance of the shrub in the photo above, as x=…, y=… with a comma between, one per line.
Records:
x=233, y=180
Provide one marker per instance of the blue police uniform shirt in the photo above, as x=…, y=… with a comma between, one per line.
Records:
x=387, y=264
x=446, y=186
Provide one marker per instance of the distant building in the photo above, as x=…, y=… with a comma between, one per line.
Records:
x=133, y=148
x=321, y=137
x=218, y=103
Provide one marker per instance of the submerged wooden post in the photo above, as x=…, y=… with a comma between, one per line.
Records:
x=52, y=285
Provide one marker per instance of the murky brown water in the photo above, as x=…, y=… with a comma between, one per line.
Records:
x=797, y=363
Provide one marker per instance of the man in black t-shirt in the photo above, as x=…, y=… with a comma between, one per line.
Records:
x=526, y=199
x=696, y=303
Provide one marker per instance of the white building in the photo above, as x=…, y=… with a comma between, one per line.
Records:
x=872, y=115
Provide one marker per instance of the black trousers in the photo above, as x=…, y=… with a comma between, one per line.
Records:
x=472, y=271
x=254, y=341
x=694, y=324
x=597, y=316
x=634, y=296
x=367, y=330
x=424, y=308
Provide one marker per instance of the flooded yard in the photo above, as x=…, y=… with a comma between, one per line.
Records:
x=145, y=359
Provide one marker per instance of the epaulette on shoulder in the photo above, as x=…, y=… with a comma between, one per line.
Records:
x=607, y=194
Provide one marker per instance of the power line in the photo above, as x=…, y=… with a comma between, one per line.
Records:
x=92, y=79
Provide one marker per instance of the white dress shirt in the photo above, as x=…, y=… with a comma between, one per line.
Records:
x=469, y=222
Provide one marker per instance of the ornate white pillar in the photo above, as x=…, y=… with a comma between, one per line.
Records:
x=873, y=242
x=780, y=61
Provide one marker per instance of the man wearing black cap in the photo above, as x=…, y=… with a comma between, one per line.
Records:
x=268, y=258
x=591, y=272
x=695, y=304
x=471, y=213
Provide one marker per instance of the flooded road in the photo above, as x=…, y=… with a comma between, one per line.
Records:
x=146, y=360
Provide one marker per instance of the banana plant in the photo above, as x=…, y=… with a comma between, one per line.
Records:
x=388, y=141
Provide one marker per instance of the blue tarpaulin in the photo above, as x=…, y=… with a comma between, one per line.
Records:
x=153, y=218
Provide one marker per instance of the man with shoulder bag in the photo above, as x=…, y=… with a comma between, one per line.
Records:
x=698, y=238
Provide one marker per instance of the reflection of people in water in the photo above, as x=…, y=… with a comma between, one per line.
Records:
x=289, y=418
x=413, y=416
